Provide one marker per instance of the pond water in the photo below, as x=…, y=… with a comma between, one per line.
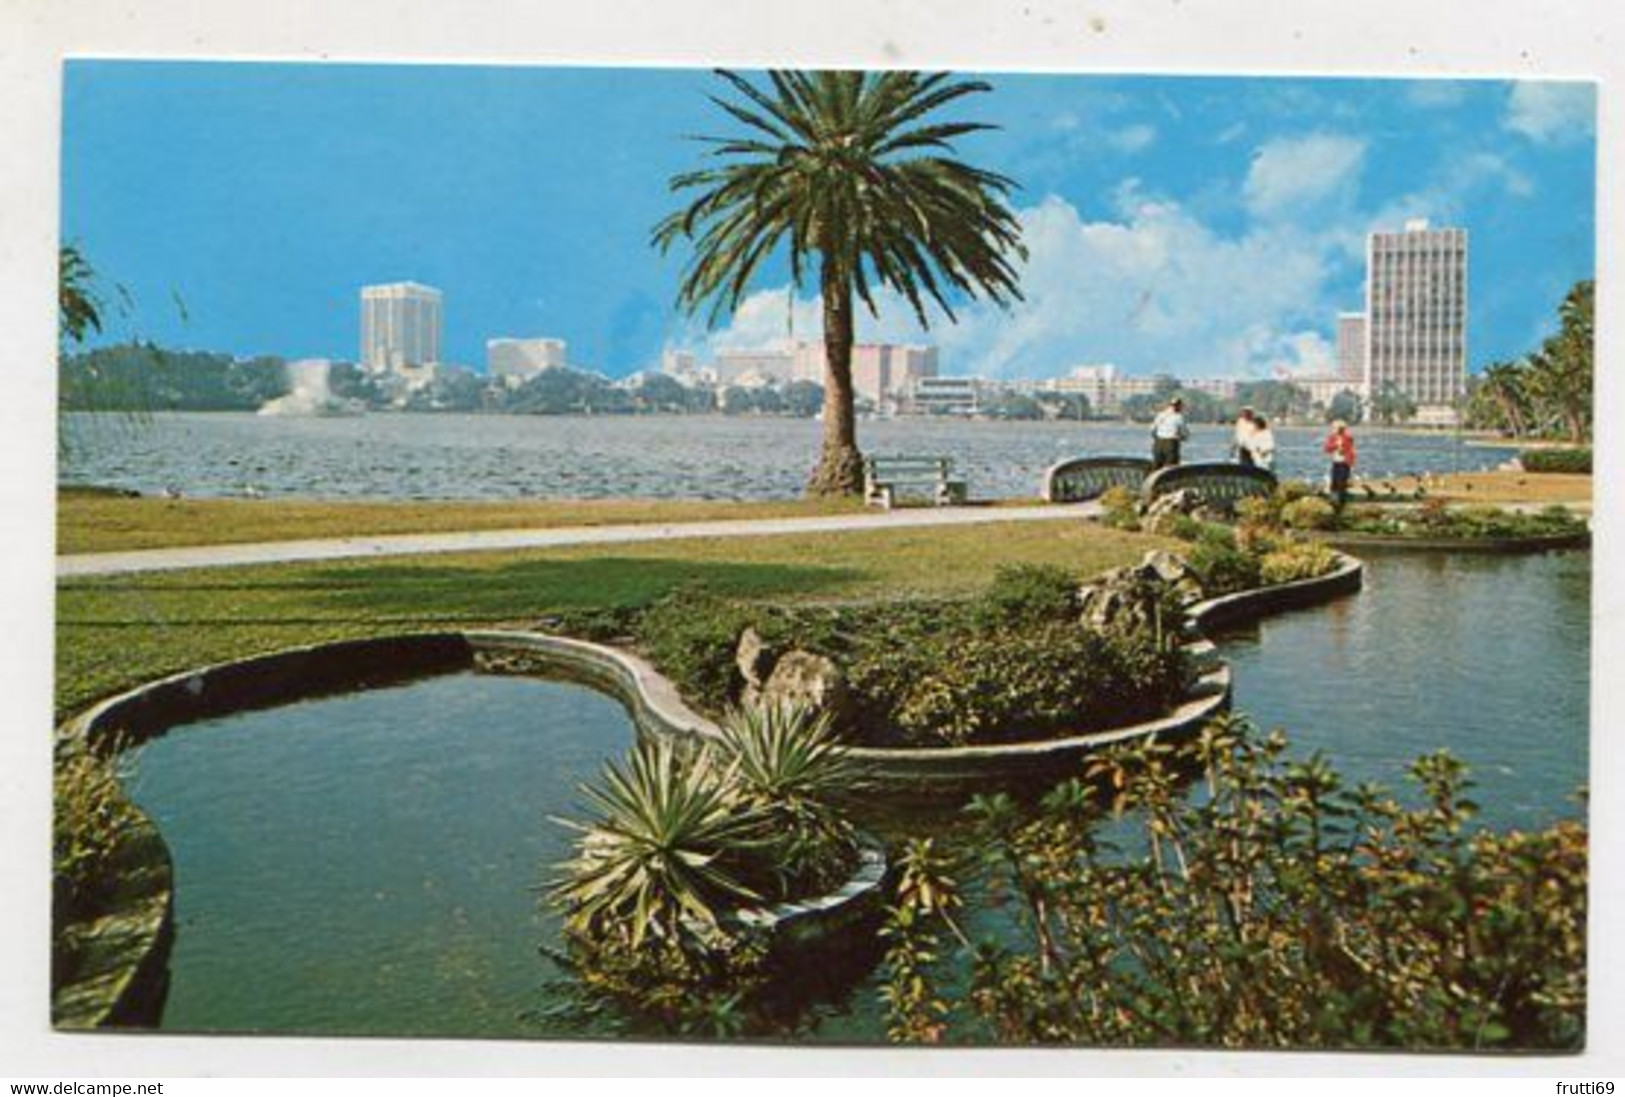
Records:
x=446, y=456
x=368, y=863
x=371, y=863
x=1485, y=656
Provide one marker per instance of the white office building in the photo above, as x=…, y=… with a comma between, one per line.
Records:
x=1416, y=317
x=400, y=327
x=1351, y=347
x=516, y=361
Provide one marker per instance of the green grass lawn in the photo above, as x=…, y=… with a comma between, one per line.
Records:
x=89, y=521
x=117, y=631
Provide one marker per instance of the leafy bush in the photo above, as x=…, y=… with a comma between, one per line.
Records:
x=1280, y=908
x=1290, y=491
x=1435, y=518
x=1310, y=512
x=1258, y=512
x=1296, y=560
x=1121, y=508
x=905, y=664
x=1223, y=567
x=92, y=827
x=1556, y=460
x=1033, y=683
x=1029, y=592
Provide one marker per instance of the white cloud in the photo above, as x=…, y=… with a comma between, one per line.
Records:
x=1436, y=94
x=1132, y=139
x=1552, y=113
x=1294, y=174
x=1153, y=289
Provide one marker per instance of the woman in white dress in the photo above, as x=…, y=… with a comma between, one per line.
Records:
x=1262, y=444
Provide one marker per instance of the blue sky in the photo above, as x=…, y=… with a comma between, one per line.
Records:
x=1203, y=226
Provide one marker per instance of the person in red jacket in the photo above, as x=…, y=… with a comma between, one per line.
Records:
x=1340, y=444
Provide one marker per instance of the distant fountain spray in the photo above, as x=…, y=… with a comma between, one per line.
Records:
x=308, y=391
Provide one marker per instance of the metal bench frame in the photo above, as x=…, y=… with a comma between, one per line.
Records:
x=1219, y=484
x=1081, y=479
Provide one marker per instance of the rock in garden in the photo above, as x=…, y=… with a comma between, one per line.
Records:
x=754, y=658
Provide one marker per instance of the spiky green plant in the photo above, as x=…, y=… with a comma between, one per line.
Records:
x=789, y=765
x=786, y=752
x=666, y=851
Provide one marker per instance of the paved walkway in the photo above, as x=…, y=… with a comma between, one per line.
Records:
x=415, y=544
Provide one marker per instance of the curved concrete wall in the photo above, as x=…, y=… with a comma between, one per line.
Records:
x=130, y=990
x=1249, y=605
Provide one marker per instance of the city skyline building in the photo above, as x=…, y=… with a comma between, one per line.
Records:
x=1351, y=347
x=1416, y=317
x=401, y=327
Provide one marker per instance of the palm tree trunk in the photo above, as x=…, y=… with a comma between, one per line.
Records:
x=840, y=466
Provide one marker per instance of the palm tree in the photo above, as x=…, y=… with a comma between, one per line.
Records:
x=79, y=311
x=844, y=169
x=1560, y=377
x=1503, y=386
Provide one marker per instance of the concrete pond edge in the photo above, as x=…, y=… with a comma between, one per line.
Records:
x=129, y=984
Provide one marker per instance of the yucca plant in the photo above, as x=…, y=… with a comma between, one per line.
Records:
x=786, y=752
x=789, y=765
x=667, y=853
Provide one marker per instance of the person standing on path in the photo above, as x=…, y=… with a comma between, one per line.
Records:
x=1246, y=427
x=1340, y=444
x=1168, y=430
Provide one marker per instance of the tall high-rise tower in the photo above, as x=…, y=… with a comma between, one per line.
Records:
x=400, y=326
x=1351, y=347
x=1416, y=316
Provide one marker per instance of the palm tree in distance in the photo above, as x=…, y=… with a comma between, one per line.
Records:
x=844, y=168
x=78, y=310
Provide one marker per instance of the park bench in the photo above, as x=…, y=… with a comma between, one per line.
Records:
x=1218, y=484
x=886, y=479
x=1083, y=478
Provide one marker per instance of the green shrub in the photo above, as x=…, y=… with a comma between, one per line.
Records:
x=692, y=637
x=1223, y=567
x=1309, y=512
x=1182, y=527
x=1290, y=491
x=92, y=827
x=1029, y=592
x=1296, y=560
x=1121, y=508
x=1283, y=907
x=1556, y=460
x=1259, y=512
x=1035, y=683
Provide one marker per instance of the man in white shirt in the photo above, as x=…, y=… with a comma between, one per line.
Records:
x=1168, y=430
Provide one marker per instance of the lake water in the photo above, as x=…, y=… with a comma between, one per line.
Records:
x=369, y=863
x=403, y=456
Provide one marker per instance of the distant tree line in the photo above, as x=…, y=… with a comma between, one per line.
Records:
x=1279, y=401
x=142, y=377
